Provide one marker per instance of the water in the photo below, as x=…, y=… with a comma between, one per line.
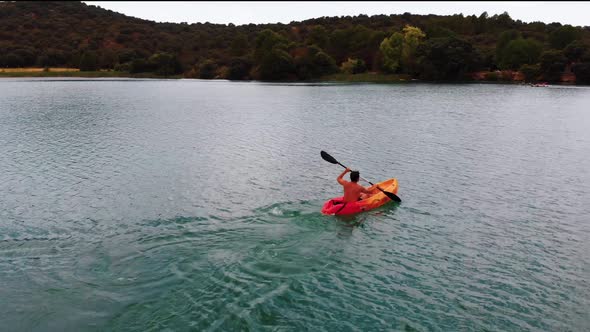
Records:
x=176, y=205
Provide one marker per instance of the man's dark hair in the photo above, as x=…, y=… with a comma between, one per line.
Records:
x=354, y=176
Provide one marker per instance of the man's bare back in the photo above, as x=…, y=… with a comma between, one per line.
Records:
x=352, y=190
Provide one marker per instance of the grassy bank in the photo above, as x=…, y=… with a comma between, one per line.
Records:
x=367, y=77
x=73, y=72
x=36, y=69
x=62, y=74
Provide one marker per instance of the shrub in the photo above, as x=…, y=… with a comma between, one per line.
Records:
x=491, y=76
x=531, y=72
x=207, y=69
x=353, y=66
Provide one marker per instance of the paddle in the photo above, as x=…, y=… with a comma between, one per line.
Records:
x=331, y=160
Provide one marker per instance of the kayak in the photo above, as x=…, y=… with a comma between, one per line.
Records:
x=337, y=206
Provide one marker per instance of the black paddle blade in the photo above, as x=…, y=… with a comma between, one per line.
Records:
x=391, y=196
x=328, y=158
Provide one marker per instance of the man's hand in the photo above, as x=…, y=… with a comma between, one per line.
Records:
x=340, y=177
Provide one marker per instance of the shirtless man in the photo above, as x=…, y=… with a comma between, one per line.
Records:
x=352, y=190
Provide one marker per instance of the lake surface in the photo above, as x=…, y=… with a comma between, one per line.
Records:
x=177, y=205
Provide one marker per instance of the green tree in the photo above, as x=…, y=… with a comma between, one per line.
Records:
x=127, y=55
x=88, y=61
x=27, y=54
x=123, y=67
x=582, y=72
x=446, y=58
x=413, y=36
x=503, y=40
x=552, y=64
x=164, y=64
x=502, y=21
x=530, y=72
x=52, y=58
x=11, y=60
x=318, y=35
x=563, y=36
x=312, y=61
x=276, y=65
x=436, y=31
x=353, y=66
x=519, y=52
x=266, y=41
x=339, y=42
x=271, y=56
x=391, y=48
x=399, y=50
x=239, y=68
x=108, y=59
x=323, y=64
x=360, y=42
x=239, y=45
x=481, y=24
x=140, y=66
x=207, y=69
x=576, y=50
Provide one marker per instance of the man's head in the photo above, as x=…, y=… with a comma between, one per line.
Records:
x=354, y=176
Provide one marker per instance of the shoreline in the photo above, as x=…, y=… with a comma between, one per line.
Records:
x=81, y=74
x=334, y=78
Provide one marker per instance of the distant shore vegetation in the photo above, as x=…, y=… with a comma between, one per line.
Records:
x=37, y=38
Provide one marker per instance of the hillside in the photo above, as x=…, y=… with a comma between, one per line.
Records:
x=73, y=34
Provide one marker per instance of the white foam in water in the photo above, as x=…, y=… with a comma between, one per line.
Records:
x=276, y=211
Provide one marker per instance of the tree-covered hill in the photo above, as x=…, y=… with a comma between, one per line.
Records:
x=431, y=47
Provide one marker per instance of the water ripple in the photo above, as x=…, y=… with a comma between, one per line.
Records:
x=149, y=205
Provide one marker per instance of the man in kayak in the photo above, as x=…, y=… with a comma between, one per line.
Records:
x=352, y=190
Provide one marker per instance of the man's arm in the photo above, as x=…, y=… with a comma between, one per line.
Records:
x=340, y=177
x=367, y=190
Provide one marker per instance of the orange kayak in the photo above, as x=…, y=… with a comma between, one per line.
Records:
x=336, y=206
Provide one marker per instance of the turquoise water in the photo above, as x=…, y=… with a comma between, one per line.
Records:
x=187, y=205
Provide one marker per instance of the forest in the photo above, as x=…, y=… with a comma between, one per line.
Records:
x=424, y=47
